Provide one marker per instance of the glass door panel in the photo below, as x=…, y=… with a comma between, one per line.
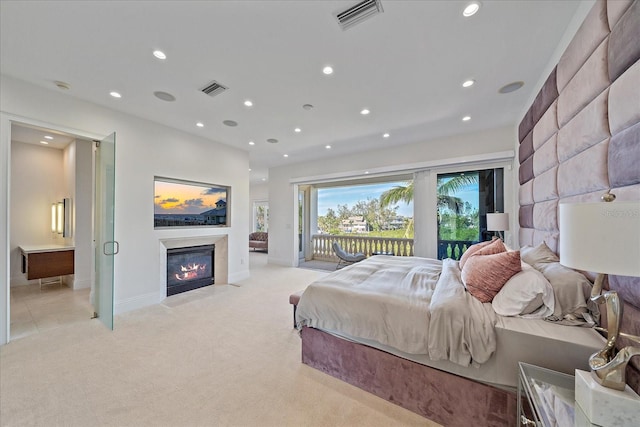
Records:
x=464, y=199
x=106, y=246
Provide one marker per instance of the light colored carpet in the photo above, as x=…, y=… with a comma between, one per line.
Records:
x=217, y=356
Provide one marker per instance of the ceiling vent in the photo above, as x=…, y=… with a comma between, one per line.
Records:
x=214, y=88
x=358, y=13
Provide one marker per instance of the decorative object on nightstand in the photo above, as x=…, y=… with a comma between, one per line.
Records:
x=604, y=238
x=498, y=222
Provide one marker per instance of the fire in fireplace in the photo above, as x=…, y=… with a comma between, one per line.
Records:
x=189, y=268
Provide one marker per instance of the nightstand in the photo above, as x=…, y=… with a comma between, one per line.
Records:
x=544, y=396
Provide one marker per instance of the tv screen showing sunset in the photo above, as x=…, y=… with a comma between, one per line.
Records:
x=187, y=204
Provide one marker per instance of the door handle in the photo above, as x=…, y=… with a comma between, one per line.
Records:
x=116, y=246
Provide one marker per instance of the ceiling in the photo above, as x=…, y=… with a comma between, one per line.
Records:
x=406, y=65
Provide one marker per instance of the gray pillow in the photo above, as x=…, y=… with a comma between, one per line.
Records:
x=570, y=288
x=540, y=254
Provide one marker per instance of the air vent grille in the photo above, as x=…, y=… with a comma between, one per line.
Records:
x=358, y=13
x=214, y=88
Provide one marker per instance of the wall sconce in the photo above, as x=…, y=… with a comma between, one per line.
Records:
x=61, y=217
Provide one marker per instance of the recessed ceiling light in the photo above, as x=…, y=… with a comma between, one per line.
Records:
x=285, y=155
x=159, y=54
x=466, y=118
x=44, y=142
x=231, y=123
x=272, y=141
x=165, y=96
x=365, y=112
x=471, y=9
x=48, y=137
x=327, y=70
x=307, y=107
x=248, y=103
x=252, y=143
x=468, y=83
x=200, y=124
x=264, y=179
x=511, y=87
x=328, y=147
x=386, y=135
x=115, y=94
x=297, y=130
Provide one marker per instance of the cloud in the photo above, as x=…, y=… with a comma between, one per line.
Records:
x=169, y=200
x=212, y=191
x=193, y=202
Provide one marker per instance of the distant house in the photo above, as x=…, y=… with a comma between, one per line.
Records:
x=216, y=216
x=395, y=224
x=354, y=224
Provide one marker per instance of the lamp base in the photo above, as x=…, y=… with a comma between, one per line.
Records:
x=605, y=406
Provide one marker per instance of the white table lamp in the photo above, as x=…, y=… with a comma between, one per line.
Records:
x=498, y=222
x=604, y=238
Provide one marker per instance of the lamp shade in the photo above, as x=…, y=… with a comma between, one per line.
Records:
x=497, y=221
x=601, y=237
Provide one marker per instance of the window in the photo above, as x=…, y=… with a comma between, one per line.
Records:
x=364, y=210
x=260, y=216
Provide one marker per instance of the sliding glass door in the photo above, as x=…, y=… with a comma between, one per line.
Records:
x=464, y=199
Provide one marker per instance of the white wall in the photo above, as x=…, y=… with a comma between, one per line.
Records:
x=37, y=182
x=283, y=194
x=143, y=149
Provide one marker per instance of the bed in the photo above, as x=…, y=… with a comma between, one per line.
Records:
x=409, y=330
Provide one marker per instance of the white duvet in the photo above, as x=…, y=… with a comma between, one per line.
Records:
x=417, y=305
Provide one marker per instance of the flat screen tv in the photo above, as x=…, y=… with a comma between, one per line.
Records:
x=180, y=203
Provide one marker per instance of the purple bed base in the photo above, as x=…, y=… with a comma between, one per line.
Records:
x=442, y=397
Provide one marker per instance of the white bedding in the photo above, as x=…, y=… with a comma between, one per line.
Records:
x=416, y=305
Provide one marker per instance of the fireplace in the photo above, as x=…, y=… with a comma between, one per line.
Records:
x=189, y=268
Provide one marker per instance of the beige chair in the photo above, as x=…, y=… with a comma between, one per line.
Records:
x=345, y=258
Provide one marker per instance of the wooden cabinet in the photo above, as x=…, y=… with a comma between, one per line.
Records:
x=47, y=261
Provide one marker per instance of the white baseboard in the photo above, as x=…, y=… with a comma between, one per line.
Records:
x=236, y=277
x=81, y=284
x=136, y=303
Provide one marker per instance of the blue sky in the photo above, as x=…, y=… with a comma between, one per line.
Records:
x=332, y=197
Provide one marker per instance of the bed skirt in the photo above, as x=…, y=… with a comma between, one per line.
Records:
x=437, y=395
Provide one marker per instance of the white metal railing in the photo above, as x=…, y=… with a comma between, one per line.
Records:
x=321, y=245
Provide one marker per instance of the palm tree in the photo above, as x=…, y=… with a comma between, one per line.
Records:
x=404, y=193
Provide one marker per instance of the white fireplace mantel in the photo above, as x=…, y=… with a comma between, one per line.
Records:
x=220, y=256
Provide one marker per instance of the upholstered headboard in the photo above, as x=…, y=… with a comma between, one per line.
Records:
x=581, y=136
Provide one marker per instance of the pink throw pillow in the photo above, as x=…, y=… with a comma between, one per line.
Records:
x=485, y=275
x=487, y=248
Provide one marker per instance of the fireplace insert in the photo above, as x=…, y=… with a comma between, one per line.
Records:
x=189, y=268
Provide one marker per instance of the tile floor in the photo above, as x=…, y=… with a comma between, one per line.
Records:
x=34, y=310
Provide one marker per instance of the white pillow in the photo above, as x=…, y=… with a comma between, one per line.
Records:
x=528, y=294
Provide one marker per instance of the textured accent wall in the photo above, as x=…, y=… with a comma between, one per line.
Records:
x=581, y=135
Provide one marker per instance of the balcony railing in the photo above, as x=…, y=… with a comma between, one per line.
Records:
x=322, y=250
x=453, y=248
